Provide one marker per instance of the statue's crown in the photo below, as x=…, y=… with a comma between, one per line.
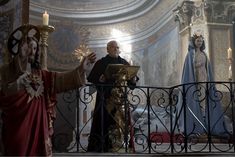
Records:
x=197, y=34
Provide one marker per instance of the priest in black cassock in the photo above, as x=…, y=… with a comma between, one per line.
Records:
x=99, y=139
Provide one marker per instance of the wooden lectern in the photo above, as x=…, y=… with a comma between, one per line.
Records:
x=115, y=71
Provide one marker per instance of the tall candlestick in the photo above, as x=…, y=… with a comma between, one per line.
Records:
x=229, y=53
x=44, y=31
x=45, y=18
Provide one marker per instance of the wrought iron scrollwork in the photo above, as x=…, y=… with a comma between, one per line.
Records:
x=155, y=118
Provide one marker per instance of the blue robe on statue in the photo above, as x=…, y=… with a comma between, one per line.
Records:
x=196, y=121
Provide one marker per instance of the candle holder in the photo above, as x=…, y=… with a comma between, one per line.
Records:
x=44, y=32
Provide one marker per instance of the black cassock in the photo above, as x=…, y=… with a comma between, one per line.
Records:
x=99, y=139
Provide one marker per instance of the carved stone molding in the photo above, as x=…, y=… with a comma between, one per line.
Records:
x=219, y=11
x=184, y=13
x=205, y=11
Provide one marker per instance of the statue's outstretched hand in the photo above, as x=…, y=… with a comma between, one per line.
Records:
x=91, y=57
x=88, y=61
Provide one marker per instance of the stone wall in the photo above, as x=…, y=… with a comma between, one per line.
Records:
x=142, y=40
x=13, y=13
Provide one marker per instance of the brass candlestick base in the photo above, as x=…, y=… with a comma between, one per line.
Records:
x=44, y=32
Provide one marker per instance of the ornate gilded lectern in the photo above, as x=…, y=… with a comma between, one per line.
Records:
x=117, y=104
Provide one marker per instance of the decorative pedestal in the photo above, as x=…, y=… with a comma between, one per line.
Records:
x=117, y=105
x=44, y=31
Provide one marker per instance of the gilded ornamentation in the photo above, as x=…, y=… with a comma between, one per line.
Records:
x=81, y=51
x=116, y=105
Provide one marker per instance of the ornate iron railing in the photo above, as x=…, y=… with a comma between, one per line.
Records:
x=163, y=120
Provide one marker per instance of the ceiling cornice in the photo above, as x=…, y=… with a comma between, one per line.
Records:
x=96, y=16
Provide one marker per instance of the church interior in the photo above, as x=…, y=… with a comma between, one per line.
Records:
x=153, y=34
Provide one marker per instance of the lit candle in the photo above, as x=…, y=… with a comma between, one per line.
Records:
x=45, y=18
x=229, y=53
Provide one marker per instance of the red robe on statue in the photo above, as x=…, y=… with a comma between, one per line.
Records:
x=27, y=123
